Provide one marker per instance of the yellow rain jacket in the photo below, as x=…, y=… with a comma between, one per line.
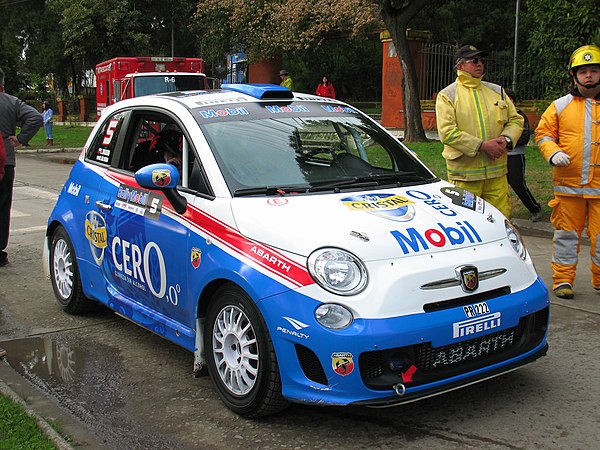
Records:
x=572, y=124
x=469, y=112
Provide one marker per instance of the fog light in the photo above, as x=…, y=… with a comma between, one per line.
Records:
x=333, y=316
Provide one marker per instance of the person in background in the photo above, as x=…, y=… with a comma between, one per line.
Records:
x=477, y=125
x=568, y=136
x=2, y=159
x=516, y=167
x=12, y=112
x=286, y=80
x=48, y=116
x=325, y=88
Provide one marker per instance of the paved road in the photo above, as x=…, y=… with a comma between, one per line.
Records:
x=111, y=384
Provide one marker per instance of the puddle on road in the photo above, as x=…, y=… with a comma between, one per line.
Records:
x=72, y=371
x=88, y=379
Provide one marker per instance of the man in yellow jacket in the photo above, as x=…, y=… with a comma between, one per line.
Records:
x=477, y=123
x=568, y=136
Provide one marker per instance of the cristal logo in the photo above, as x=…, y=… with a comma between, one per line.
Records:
x=388, y=206
x=141, y=265
x=95, y=232
x=416, y=241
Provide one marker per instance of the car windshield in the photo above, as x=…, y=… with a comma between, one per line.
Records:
x=309, y=154
x=146, y=85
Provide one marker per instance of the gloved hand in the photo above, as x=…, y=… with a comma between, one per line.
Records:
x=560, y=158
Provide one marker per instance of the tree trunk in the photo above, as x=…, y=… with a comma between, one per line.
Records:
x=396, y=20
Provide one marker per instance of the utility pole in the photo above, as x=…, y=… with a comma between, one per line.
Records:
x=514, y=83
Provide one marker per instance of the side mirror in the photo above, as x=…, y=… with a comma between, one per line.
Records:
x=163, y=177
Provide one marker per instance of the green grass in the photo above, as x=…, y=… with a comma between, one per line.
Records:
x=18, y=430
x=65, y=136
x=538, y=175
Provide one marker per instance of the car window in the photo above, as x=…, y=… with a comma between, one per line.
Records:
x=307, y=151
x=156, y=138
x=103, y=147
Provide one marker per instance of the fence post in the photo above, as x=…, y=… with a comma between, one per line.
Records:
x=62, y=110
x=84, y=106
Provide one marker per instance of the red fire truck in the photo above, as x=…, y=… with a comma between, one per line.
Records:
x=125, y=77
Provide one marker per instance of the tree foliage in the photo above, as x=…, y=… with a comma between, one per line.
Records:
x=267, y=27
x=556, y=30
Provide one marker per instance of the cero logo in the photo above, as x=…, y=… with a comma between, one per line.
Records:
x=388, y=206
x=95, y=232
x=415, y=241
x=161, y=177
x=140, y=266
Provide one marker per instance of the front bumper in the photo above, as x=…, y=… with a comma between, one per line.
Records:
x=366, y=363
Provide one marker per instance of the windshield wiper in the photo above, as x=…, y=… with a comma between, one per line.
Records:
x=398, y=179
x=270, y=190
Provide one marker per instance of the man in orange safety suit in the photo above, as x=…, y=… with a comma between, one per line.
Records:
x=568, y=136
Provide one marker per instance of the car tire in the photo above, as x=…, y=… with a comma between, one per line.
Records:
x=64, y=273
x=240, y=355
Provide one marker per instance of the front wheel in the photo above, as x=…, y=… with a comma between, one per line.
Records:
x=64, y=273
x=240, y=355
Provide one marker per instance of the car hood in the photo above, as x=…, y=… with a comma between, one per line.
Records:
x=374, y=225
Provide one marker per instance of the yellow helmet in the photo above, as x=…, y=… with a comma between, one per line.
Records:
x=583, y=56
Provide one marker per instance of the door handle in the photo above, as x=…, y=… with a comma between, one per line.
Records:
x=104, y=206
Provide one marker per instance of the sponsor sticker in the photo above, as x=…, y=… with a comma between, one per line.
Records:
x=464, y=198
x=388, y=206
x=342, y=363
x=139, y=201
x=195, y=257
x=96, y=234
x=413, y=240
x=161, y=177
x=476, y=325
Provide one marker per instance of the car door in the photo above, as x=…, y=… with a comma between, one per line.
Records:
x=146, y=267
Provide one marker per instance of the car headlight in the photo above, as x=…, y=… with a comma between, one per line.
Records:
x=515, y=240
x=335, y=317
x=337, y=271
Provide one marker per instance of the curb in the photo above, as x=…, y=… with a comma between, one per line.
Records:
x=41, y=423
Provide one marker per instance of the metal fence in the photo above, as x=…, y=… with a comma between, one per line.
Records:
x=437, y=71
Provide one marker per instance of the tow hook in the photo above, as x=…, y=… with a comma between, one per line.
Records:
x=400, y=389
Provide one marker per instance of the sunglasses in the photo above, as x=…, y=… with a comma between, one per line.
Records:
x=476, y=60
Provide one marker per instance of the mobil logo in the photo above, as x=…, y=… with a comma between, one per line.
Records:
x=413, y=240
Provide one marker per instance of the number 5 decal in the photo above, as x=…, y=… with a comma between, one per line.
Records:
x=110, y=132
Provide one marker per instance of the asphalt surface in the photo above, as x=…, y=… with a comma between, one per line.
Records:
x=536, y=235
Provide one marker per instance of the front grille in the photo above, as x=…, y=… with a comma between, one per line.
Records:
x=377, y=367
x=429, y=358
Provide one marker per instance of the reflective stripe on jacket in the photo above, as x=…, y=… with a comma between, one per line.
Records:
x=469, y=112
x=572, y=124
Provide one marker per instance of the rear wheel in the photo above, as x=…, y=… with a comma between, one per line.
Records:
x=240, y=355
x=64, y=273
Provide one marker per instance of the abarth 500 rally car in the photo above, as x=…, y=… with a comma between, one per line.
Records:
x=300, y=251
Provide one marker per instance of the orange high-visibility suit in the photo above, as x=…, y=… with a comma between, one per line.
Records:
x=572, y=124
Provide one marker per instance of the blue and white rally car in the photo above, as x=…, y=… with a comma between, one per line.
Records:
x=298, y=249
